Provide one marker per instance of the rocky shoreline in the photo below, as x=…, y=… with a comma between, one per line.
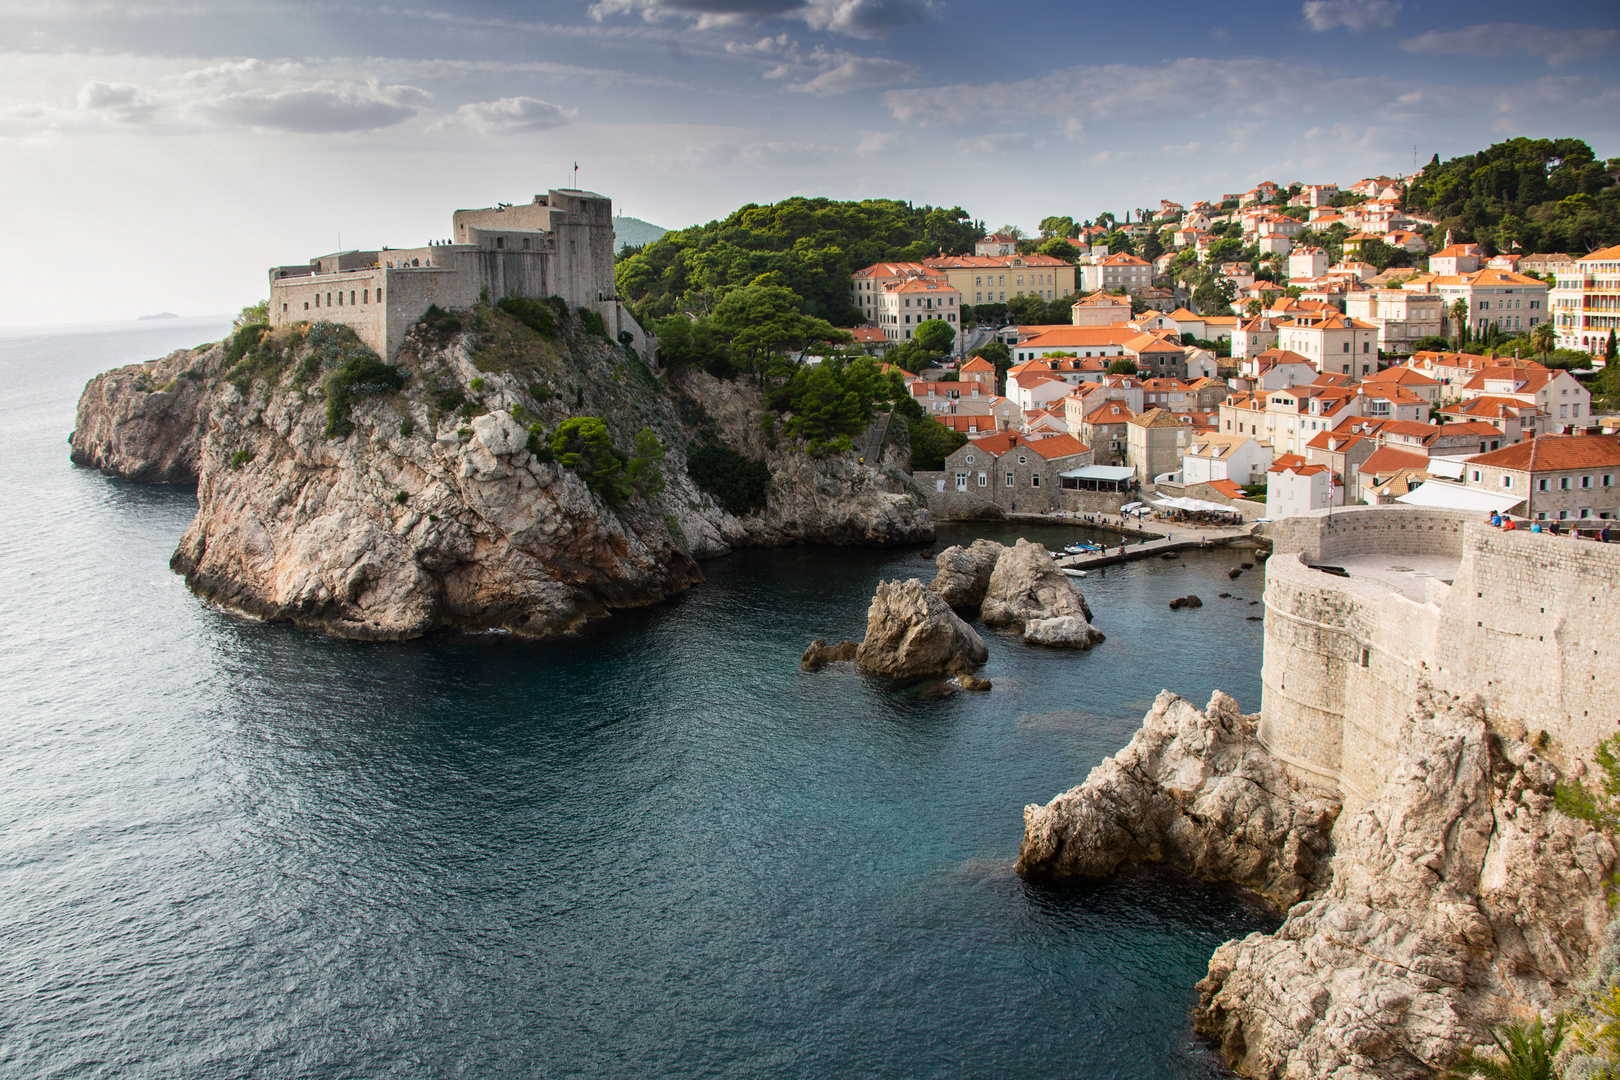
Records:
x=1458, y=898
x=429, y=507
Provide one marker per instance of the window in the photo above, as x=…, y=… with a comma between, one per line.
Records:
x=500, y=241
x=365, y=296
x=961, y=481
x=1009, y=479
x=1608, y=479
x=984, y=479
x=284, y=307
x=969, y=459
x=1563, y=483
x=379, y=296
x=1476, y=476
x=1586, y=481
x=525, y=243
x=1022, y=460
x=1347, y=346
x=1507, y=481
x=1035, y=480
x=351, y=297
x=1543, y=484
x=306, y=305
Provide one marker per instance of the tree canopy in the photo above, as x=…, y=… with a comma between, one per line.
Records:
x=935, y=335
x=835, y=400
x=1522, y=195
x=812, y=244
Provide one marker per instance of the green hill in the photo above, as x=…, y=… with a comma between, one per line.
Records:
x=634, y=232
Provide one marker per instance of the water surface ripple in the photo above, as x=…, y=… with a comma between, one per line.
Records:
x=234, y=850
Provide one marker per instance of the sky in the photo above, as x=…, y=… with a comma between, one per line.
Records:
x=160, y=155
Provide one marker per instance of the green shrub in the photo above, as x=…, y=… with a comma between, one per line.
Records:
x=540, y=392
x=540, y=444
x=1599, y=805
x=476, y=386
x=407, y=428
x=241, y=458
x=932, y=442
x=168, y=387
x=465, y=432
x=535, y=314
x=593, y=323
x=360, y=376
x=440, y=323
x=471, y=409
x=402, y=497
x=738, y=483
x=448, y=401
x=245, y=337
x=582, y=443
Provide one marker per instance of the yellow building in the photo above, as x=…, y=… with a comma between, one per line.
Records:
x=995, y=279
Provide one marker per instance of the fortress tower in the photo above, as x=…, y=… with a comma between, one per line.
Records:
x=561, y=244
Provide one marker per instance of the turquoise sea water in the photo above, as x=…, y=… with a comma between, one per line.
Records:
x=229, y=849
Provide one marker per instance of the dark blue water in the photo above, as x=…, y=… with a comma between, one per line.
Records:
x=235, y=850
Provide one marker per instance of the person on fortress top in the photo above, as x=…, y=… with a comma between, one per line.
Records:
x=1535, y=526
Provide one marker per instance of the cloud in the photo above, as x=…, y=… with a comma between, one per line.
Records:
x=515, y=114
x=1503, y=39
x=758, y=154
x=857, y=73
x=879, y=143
x=1350, y=14
x=853, y=18
x=323, y=107
x=123, y=102
x=998, y=142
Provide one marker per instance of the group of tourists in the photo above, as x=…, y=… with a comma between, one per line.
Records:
x=1507, y=524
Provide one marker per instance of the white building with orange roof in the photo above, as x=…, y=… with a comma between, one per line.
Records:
x=1101, y=309
x=866, y=285
x=1516, y=420
x=1079, y=341
x=1557, y=394
x=1407, y=378
x=1274, y=369
x=978, y=369
x=1242, y=459
x=1456, y=259
x=1586, y=302
x=1403, y=318
x=1307, y=262
x=1116, y=272
x=1036, y=389
x=1454, y=369
x=1333, y=342
x=996, y=244
x=1513, y=303
x=1294, y=488
x=902, y=306
x=1104, y=429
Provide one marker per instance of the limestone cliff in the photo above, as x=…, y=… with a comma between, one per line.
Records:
x=376, y=510
x=1457, y=898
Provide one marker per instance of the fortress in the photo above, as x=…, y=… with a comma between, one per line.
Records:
x=561, y=244
x=1528, y=622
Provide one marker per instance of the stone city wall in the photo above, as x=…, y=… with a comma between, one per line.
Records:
x=1529, y=624
x=1322, y=535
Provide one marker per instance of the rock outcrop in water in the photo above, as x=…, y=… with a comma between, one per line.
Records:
x=912, y=633
x=1457, y=898
x=1195, y=790
x=964, y=574
x=386, y=511
x=1028, y=592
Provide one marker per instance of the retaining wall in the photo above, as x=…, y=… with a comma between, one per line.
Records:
x=1529, y=623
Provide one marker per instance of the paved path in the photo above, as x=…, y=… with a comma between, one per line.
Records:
x=1176, y=539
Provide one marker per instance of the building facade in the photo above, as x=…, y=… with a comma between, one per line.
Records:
x=1586, y=302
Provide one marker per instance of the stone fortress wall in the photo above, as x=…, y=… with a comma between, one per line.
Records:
x=1529, y=623
x=561, y=244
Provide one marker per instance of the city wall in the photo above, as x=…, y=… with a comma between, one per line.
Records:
x=1529, y=624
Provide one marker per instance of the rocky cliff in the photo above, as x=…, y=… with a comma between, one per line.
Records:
x=339, y=496
x=1458, y=898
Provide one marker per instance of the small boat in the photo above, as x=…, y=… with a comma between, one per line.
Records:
x=1083, y=548
x=1072, y=572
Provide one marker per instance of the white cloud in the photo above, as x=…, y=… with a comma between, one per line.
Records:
x=999, y=142
x=857, y=73
x=1506, y=39
x=761, y=155
x=854, y=18
x=879, y=143
x=515, y=114
x=323, y=107
x=124, y=102
x=1350, y=14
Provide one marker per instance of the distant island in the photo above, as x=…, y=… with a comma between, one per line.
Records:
x=634, y=232
x=159, y=315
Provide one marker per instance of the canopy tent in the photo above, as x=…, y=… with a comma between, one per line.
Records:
x=1446, y=468
x=1097, y=478
x=1439, y=494
x=1195, y=506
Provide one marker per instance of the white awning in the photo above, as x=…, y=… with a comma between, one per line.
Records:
x=1196, y=506
x=1446, y=468
x=1115, y=473
x=1439, y=494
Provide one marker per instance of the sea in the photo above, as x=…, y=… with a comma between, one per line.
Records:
x=230, y=849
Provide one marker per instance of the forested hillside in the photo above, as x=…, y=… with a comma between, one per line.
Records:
x=814, y=244
x=1523, y=195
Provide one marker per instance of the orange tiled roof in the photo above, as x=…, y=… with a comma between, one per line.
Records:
x=1551, y=453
